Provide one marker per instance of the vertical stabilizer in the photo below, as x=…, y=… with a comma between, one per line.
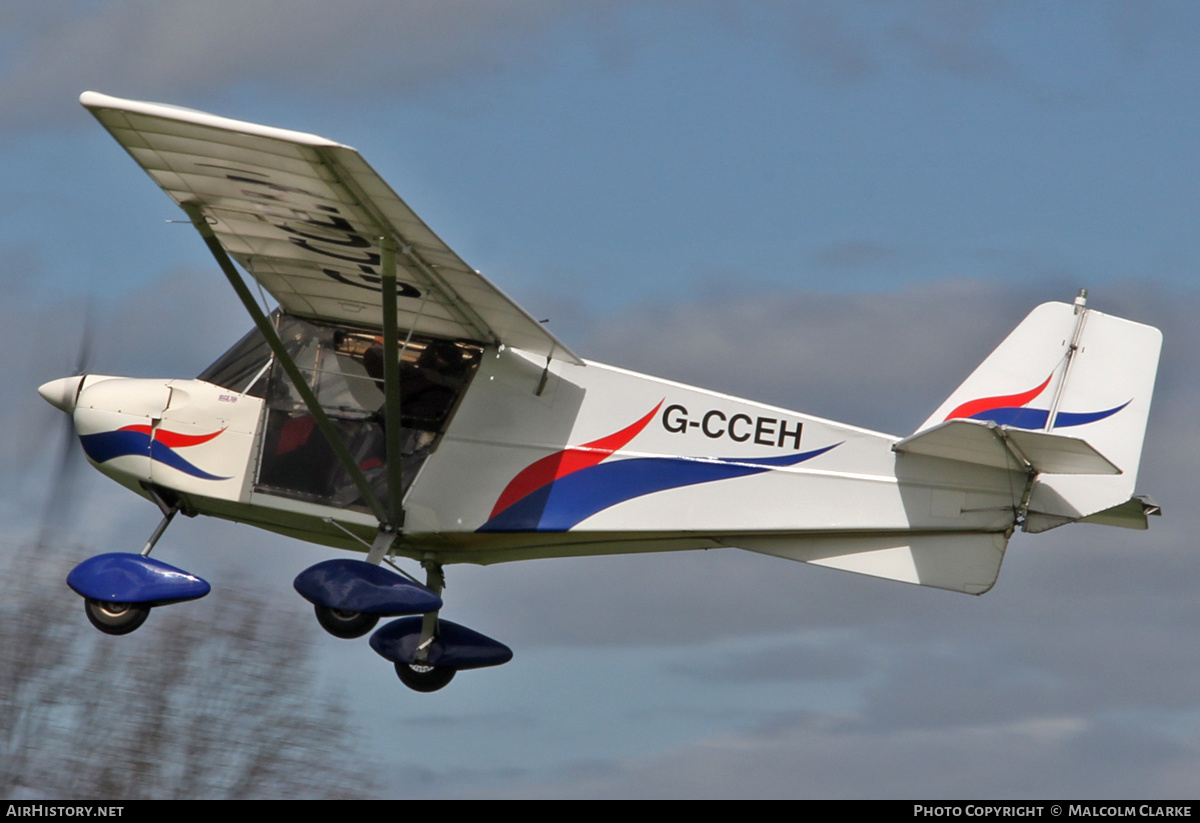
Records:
x=1069, y=370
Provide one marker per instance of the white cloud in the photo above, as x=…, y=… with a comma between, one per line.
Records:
x=357, y=49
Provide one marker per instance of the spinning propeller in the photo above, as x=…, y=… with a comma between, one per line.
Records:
x=62, y=394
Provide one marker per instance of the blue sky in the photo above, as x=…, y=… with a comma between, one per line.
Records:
x=835, y=207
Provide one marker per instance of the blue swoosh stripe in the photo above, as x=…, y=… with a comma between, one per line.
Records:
x=1021, y=418
x=108, y=445
x=1015, y=416
x=561, y=505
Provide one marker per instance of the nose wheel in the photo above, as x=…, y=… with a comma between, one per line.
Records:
x=119, y=589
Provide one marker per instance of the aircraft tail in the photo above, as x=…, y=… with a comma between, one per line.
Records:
x=1068, y=391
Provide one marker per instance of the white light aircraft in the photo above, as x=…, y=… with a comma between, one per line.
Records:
x=399, y=404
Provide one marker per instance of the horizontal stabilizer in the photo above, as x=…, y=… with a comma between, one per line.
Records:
x=985, y=443
x=1132, y=514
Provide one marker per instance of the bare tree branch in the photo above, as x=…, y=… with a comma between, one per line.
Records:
x=185, y=708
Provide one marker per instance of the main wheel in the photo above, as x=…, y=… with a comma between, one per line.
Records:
x=115, y=618
x=424, y=678
x=344, y=624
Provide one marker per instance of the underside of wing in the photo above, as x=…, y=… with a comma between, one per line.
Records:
x=305, y=216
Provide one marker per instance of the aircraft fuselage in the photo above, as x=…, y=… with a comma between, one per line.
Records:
x=537, y=461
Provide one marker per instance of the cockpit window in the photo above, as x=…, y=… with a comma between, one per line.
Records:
x=242, y=369
x=344, y=367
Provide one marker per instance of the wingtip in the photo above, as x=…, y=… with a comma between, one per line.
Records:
x=100, y=104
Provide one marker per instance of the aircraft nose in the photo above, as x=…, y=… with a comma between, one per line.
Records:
x=61, y=393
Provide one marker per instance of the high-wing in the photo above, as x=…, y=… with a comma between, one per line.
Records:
x=304, y=216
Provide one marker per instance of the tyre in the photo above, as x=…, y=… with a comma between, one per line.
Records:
x=345, y=624
x=424, y=678
x=115, y=618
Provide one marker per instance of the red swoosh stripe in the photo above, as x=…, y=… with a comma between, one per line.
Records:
x=569, y=460
x=170, y=439
x=973, y=407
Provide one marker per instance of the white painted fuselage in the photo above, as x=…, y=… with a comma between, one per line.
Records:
x=574, y=460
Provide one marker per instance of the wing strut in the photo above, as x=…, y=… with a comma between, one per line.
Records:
x=391, y=383
x=293, y=372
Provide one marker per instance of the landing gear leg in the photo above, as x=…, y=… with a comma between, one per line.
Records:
x=435, y=581
x=169, y=513
x=419, y=675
